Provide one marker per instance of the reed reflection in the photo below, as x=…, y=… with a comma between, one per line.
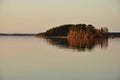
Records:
x=80, y=44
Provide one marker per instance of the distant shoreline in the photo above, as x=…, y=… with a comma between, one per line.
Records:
x=114, y=34
x=16, y=34
x=111, y=34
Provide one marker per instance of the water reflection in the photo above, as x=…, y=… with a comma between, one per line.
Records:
x=79, y=44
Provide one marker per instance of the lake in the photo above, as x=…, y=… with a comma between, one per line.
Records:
x=31, y=58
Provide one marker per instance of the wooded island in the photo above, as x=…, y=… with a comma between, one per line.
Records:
x=78, y=31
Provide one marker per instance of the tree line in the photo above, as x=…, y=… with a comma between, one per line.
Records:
x=84, y=31
x=77, y=31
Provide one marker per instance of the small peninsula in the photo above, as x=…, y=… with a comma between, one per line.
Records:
x=81, y=31
x=75, y=31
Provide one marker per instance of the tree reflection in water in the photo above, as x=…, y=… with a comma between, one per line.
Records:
x=80, y=44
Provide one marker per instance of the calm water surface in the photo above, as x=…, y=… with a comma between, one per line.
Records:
x=30, y=58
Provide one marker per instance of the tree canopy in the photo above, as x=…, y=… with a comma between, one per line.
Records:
x=77, y=31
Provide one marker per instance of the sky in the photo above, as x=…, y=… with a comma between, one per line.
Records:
x=34, y=16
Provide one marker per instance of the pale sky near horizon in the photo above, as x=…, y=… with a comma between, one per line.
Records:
x=33, y=16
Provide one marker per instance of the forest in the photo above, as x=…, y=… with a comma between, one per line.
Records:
x=78, y=31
